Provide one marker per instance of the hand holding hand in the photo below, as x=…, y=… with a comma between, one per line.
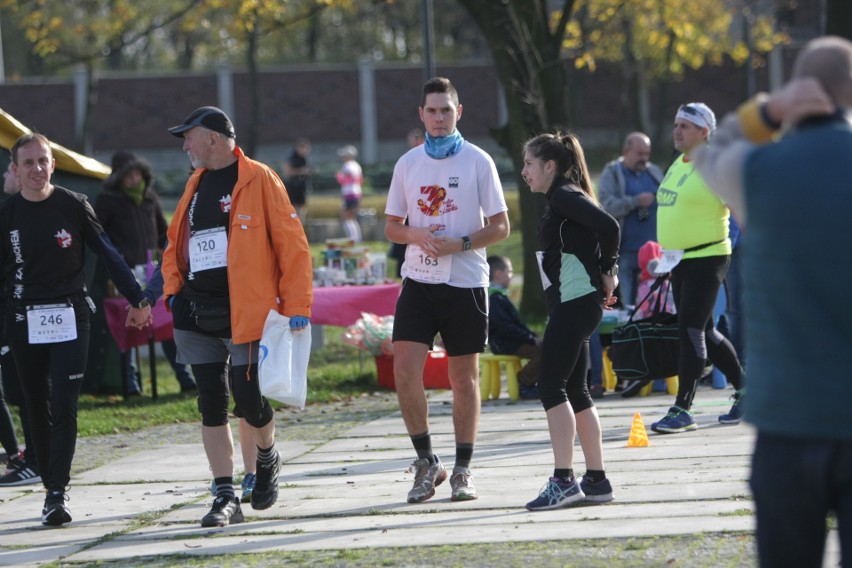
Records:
x=299, y=322
x=139, y=317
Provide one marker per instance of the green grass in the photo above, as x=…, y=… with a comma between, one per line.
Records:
x=336, y=372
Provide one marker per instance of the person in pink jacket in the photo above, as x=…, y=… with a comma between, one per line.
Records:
x=350, y=178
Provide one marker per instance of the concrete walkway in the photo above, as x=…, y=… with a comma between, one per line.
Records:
x=350, y=492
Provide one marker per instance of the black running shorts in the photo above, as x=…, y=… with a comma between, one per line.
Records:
x=460, y=315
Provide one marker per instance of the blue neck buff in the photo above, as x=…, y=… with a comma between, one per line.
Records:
x=444, y=146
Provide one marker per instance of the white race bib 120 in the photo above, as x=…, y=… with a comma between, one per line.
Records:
x=669, y=260
x=208, y=249
x=51, y=323
x=424, y=268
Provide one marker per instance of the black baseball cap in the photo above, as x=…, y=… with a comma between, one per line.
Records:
x=209, y=117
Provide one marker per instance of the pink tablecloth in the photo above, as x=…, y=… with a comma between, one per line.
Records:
x=342, y=305
x=337, y=305
x=115, y=310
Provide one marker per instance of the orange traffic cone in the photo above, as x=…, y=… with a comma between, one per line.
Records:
x=638, y=436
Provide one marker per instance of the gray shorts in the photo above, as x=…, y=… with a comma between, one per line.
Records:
x=195, y=348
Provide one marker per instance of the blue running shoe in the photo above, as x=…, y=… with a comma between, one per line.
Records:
x=556, y=494
x=249, y=480
x=676, y=421
x=735, y=415
x=600, y=492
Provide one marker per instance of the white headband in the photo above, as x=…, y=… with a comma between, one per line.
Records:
x=698, y=114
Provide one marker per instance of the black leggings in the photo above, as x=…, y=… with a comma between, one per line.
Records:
x=14, y=395
x=695, y=284
x=214, y=392
x=565, y=353
x=8, y=439
x=51, y=377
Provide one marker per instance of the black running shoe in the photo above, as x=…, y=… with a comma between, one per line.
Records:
x=225, y=511
x=265, y=492
x=55, y=511
x=21, y=474
x=633, y=388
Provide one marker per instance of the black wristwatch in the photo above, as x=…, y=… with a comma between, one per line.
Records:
x=144, y=303
x=613, y=271
x=466, y=243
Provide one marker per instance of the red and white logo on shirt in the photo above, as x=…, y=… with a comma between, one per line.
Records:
x=434, y=196
x=225, y=204
x=64, y=238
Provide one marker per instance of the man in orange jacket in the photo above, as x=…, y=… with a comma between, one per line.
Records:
x=236, y=250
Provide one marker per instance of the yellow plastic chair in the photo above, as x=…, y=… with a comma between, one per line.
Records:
x=609, y=378
x=489, y=371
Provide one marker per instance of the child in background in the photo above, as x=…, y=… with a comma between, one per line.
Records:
x=507, y=334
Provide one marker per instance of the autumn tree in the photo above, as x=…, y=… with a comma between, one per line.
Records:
x=652, y=43
x=525, y=39
x=64, y=34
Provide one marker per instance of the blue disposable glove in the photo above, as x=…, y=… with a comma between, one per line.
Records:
x=299, y=322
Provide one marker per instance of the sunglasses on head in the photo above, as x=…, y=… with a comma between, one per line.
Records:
x=689, y=110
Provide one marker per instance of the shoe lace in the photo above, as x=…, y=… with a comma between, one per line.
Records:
x=221, y=501
x=420, y=469
x=675, y=412
x=268, y=468
x=57, y=497
x=553, y=492
x=461, y=479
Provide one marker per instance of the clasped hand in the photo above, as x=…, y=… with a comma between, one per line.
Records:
x=435, y=245
x=608, y=285
x=139, y=317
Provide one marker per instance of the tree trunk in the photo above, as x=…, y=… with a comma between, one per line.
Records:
x=526, y=57
x=84, y=142
x=838, y=18
x=251, y=140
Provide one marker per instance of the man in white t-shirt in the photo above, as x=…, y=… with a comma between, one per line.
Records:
x=444, y=187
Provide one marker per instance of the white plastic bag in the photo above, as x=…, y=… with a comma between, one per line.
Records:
x=283, y=362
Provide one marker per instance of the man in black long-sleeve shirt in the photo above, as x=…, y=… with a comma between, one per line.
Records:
x=507, y=334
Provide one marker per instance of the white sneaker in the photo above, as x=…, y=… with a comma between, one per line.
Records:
x=426, y=478
x=462, y=483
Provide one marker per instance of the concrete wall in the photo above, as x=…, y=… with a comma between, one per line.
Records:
x=324, y=104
